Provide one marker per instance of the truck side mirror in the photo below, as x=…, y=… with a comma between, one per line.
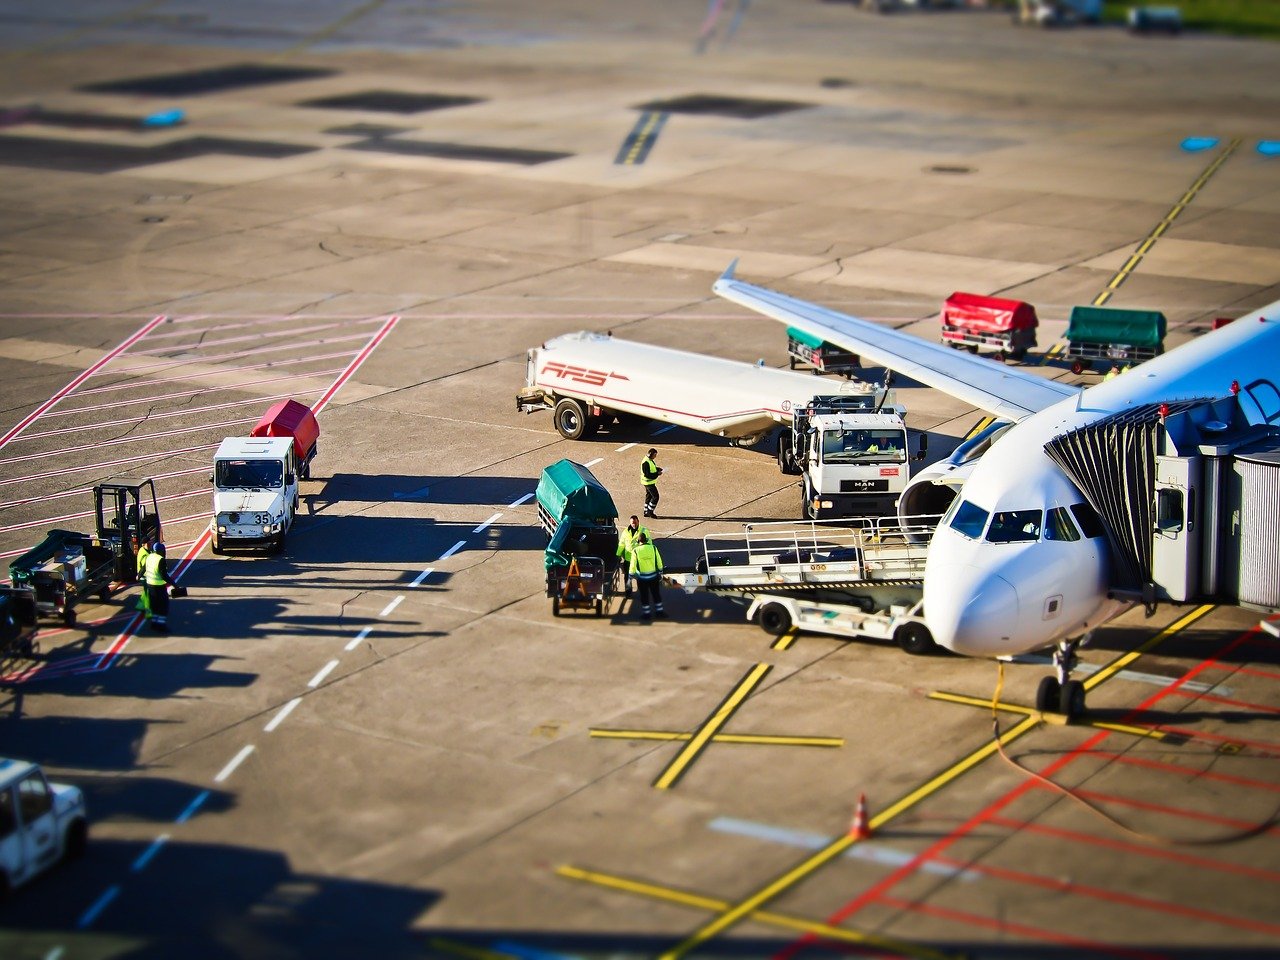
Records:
x=211, y=478
x=923, y=449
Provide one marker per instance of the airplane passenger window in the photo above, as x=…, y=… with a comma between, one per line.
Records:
x=1058, y=526
x=969, y=520
x=1015, y=526
x=1090, y=522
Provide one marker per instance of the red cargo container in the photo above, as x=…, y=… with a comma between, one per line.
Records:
x=972, y=320
x=289, y=418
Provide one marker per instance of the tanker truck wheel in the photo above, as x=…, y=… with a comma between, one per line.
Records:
x=570, y=418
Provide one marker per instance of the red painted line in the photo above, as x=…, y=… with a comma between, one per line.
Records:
x=1022, y=930
x=1188, y=772
x=355, y=364
x=1266, y=748
x=52, y=401
x=202, y=344
x=1227, y=701
x=1119, y=897
x=153, y=417
x=131, y=439
x=1255, y=672
x=26, y=525
x=1180, y=812
x=116, y=404
x=217, y=358
x=272, y=364
x=1148, y=850
x=109, y=463
x=80, y=491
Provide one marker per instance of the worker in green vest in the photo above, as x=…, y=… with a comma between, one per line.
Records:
x=646, y=567
x=155, y=583
x=649, y=474
x=628, y=539
x=143, y=552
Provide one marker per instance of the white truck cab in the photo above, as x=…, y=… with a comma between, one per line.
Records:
x=255, y=492
x=41, y=823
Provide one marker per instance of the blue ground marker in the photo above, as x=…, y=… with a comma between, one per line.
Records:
x=1197, y=144
x=1269, y=148
x=641, y=138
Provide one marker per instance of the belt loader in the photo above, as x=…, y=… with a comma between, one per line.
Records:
x=859, y=579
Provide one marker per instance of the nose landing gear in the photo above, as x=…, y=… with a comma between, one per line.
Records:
x=1061, y=694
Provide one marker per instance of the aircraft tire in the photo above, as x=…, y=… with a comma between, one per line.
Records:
x=1049, y=695
x=1071, y=699
x=570, y=418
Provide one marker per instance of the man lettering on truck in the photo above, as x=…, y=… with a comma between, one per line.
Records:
x=628, y=540
x=649, y=474
x=646, y=567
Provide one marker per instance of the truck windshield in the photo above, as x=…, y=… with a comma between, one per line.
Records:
x=864, y=446
x=250, y=473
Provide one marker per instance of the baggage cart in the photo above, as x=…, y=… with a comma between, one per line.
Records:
x=823, y=357
x=581, y=558
x=585, y=583
x=1111, y=334
x=971, y=321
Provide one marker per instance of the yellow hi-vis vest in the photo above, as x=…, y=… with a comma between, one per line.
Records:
x=152, y=566
x=646, y=561
x=644, y=474
x=628, y=539
x=143, y=553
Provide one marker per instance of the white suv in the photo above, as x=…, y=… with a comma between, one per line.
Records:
x=41, y=823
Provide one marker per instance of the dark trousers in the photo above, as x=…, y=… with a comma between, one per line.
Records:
x=158, y=603
x=650, y=498
x=650, y=592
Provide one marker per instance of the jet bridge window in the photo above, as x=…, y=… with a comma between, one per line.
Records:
x=969, y=519
x=1015, y=526
x=1058, y=526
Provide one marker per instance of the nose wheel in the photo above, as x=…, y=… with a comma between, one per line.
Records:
x=1061, y=694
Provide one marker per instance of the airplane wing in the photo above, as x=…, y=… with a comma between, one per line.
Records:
x=1005, y=392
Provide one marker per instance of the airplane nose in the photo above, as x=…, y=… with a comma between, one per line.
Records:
x=976, y=616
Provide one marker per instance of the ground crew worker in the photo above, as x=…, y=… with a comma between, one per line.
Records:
x=1112, y=373
x=143, y=552
x=646, y=567
x=649, y=474
x=155, y=584
x=628, y=539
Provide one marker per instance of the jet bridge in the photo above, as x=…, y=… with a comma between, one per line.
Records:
x=1189, y=492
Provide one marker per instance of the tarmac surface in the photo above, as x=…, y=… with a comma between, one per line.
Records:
x=380, y=742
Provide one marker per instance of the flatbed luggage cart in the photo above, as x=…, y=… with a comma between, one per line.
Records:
x=585, y=583
x=17, y=622
x=971, y=321
x=62, y=570
x=1113, y=335
x=824, y=357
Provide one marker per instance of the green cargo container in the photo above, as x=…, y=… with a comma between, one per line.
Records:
x=1110, y=333
x=577, y=514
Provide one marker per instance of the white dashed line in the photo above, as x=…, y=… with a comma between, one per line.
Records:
x=452, y=550
x=591, y=463
x=483, y=526
x=417, y=581
x=90, y=915
x=624, y=448
x=283, y=712
x=358, y=638
x=527, y=496
x=192, y=807
x=324, y=672
x=56, y=953
x=392, y=605
x=238, y=759
x=148, y=854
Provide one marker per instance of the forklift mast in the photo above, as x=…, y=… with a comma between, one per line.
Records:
x=128, y=515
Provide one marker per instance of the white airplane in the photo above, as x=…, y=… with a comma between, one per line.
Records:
x=1020, y=561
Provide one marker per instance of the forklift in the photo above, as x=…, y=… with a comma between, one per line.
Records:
x=65, y=567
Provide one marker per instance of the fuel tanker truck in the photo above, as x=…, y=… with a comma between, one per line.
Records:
x=849, y=447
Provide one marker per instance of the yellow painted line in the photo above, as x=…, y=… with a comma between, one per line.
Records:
x=325, y=32
x=1052, y=352
x=979, y=427
x=642, y=137
x=784, y=641
x=1049, y=718
x=1115, y=666
x=1164, y=224
x=696, y=901
x=675, y=771
x=758, y=738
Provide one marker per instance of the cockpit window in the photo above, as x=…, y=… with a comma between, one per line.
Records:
x=1015, y=526
x=1090, y=522
x=1058, y=526
x=969, y=519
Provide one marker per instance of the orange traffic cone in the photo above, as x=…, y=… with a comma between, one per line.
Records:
x=860, y=830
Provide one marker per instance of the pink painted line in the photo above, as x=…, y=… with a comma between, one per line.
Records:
x=110, y=463
x=52, y=401
x=46, y=521
x=170, y=364
x=80, y=491
x=245, y=338
x=1227, y=701
x=1185, y=772
x=272, y=364
x=1183, y=813
x=150, y=418
x=131, y=439
x=255, y=322
x=355, y=364
x=115, y=404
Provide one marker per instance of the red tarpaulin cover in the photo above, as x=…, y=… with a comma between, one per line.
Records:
x=979, y=314
x=289, y=418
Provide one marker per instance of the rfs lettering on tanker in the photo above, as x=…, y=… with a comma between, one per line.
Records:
x=565, y=371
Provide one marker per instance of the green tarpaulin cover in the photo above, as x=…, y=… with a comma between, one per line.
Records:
x=1110, y=325
x=808, y=339
x=577, y=500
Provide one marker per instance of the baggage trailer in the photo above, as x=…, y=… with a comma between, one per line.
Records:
x=289, y=418
x=577, y=514
x=862, y=579
x=66, y=567
x=823, y=357
x=972, y=321
x=1112, y=334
